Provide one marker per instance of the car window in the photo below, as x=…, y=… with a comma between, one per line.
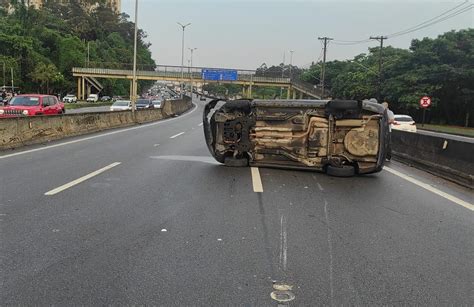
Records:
x=24, y=101
x=403, y=119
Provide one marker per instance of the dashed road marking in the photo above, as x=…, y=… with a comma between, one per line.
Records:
x=156, y=145
x=320, y=187
x=256, y=180
x=176, y=135
x=79, y=180
x=200, y=124
x=432, y=189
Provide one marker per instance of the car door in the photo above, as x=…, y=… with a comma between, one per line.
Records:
x=52, y=106
x=45, y=106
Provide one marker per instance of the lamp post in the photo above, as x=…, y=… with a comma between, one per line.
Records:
x=291, y=61
x=282, y=70
x=134, y=81
x=192, y=81
x=182, y=56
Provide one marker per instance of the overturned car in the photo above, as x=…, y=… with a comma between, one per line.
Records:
x=340, y=137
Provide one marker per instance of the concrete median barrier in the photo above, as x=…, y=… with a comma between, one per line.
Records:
x=450, y=159
x=17, y=132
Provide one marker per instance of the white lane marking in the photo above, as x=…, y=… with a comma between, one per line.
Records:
x=98, y=136
x=320, y=187
x=156, y=145
x=189, y=159
x=432, y=189
x=331, y=264
x=283, y=243
x=256, y=180
x=82, y=179
x=176, y=135
x=200, y=124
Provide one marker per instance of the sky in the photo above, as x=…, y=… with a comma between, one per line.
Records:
x=244, y=33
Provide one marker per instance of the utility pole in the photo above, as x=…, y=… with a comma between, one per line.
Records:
x=4, y=75
x=192, y=81
x=182, y=58
x=88, y=54
x=134, y=81
x=13, y=88
x=380, y=38
x=323, y=70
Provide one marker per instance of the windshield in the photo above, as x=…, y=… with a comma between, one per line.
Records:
x=24, y=101
x=70, y=96
x=403, y=119
x=121, y=103
x=142, y=102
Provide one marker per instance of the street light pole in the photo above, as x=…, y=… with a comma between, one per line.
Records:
x=192, y=81
x=282, y=70
x=291, y=62
x=134, y=81
x=182, y=57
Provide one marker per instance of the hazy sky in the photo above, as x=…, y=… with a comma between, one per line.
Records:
x=245, y=34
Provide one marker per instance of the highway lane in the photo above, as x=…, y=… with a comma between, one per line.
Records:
x=170, y=226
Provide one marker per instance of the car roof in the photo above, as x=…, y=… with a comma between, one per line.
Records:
x=34, y=95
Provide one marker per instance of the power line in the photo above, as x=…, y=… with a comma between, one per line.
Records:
x=457, y=10
x=463, y=10
x=431, y=19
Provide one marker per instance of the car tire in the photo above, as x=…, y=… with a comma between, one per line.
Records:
x=236, y=162
x=344, y=171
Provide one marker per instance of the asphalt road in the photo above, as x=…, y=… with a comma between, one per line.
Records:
x=447, y=136
x=161, y=223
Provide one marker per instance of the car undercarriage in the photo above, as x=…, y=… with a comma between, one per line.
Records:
x=340, y=137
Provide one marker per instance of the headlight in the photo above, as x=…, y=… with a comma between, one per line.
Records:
x=25, y=112
x=1, y=112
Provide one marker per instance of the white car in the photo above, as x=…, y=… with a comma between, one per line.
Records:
x=70, y=98
x=156, y=104
x=121, y=105
x=404, y=122
x=93, y=98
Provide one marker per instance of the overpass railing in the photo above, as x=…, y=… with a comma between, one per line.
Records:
x=174, y=72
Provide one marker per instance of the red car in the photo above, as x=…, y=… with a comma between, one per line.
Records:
x=31, y=105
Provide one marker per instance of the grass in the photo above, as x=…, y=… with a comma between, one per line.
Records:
x=466, y=131
x=70, y=106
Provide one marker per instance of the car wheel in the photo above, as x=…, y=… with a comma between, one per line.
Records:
x=343, y=171
x=236, y=162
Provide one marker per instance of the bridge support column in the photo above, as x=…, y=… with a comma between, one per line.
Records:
x=79, y=88
x=294, y=94
x=131, y=89
x=244, y=92
x=83, y=89
x=288, y=92
x=250, y=91
x=301, y=95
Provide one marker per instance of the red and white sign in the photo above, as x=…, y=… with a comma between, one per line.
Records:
x=425, y=102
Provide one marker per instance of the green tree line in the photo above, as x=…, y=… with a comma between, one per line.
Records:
x=442, y=68
x=42, y=46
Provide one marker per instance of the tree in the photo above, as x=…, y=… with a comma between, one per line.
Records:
x=46, y=74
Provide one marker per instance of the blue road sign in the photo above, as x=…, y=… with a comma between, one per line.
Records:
x=219, y=74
